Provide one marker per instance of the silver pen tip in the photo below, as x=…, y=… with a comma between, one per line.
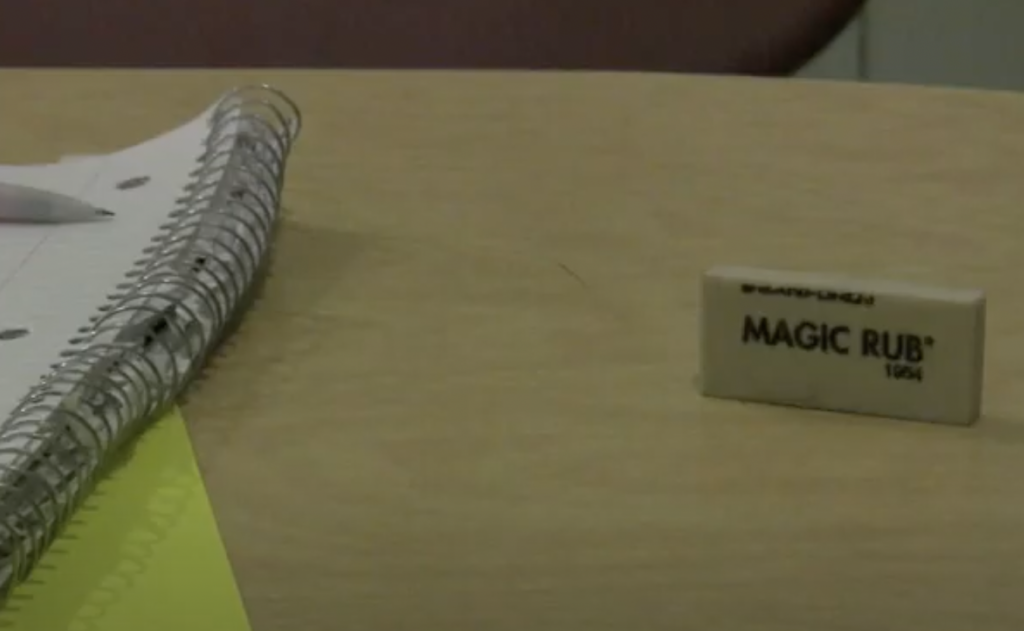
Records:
x=100, y=212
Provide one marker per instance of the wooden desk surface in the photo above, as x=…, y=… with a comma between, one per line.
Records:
x=465, y=399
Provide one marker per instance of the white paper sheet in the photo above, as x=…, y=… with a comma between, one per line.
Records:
x=54, y=278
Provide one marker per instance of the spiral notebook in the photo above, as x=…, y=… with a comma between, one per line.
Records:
x=102, y=325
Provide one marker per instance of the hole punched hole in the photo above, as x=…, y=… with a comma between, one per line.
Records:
x=133, y=182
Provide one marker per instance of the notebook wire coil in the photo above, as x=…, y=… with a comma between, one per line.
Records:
x=154, y=333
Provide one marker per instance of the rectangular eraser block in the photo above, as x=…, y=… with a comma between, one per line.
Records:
x=832, y=343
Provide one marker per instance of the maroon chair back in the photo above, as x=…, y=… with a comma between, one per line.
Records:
x=714, y=36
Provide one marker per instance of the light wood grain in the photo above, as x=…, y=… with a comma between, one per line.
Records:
x=465, y=400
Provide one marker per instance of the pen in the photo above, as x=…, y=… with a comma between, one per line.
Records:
x=26, y=204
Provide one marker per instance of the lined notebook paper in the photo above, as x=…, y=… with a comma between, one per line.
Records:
x=66, y=271
x=121, y=314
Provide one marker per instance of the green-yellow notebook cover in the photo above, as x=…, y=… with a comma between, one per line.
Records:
x=142, y=554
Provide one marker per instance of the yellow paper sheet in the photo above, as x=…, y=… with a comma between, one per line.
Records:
x=143, y=553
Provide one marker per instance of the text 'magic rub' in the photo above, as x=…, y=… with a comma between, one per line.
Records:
x=817, y=341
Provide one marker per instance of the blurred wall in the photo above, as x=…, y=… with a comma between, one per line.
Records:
x=968, y=43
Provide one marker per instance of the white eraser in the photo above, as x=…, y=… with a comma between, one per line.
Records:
x=832, y=343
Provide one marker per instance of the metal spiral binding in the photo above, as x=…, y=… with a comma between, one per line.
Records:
x=155, y=331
